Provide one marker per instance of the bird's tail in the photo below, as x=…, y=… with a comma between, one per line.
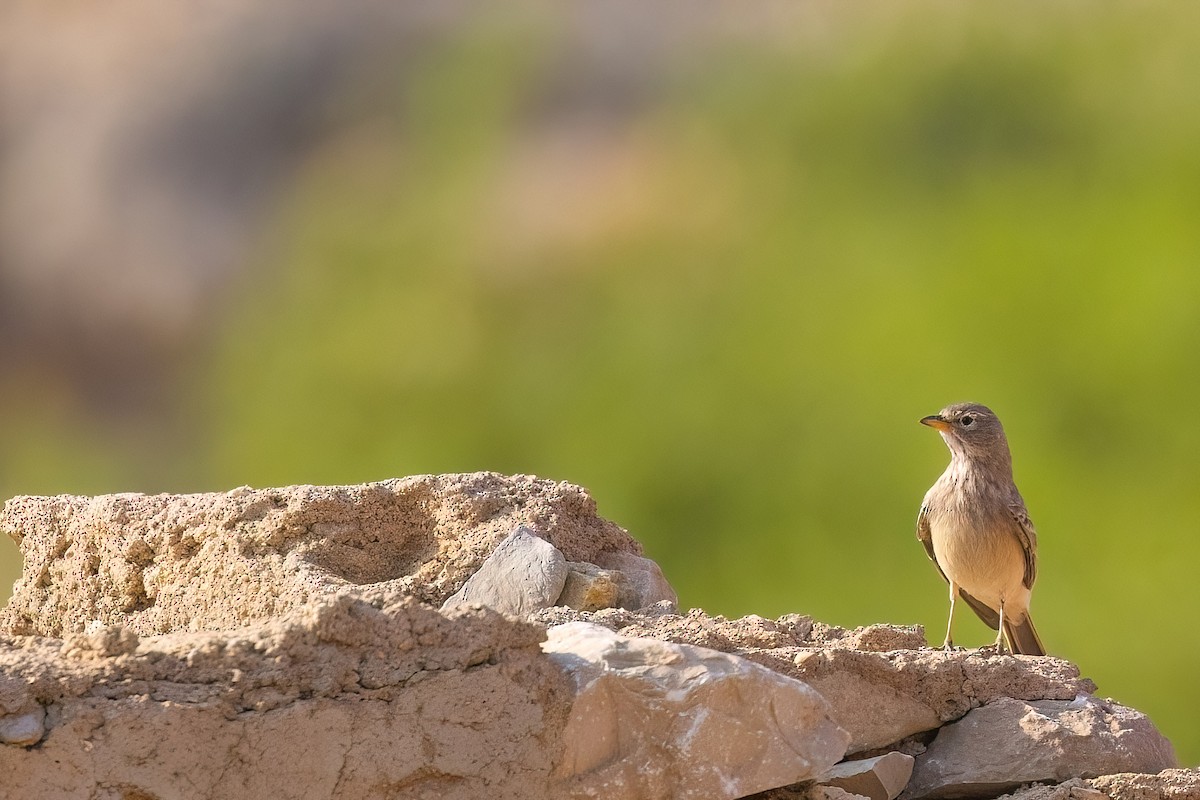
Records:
x=1023, y=638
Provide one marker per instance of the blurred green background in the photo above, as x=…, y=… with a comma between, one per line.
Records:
x=713, y=268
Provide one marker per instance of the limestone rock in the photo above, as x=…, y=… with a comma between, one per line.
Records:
x=590, y=588
x=353, y=696
x=645, y=582
x=523, y=574
x=654, y=720
x=879, y=778
x=1074, y=789
x=879, y=696
x=1170, y=784
x=162, y=563
x=1008, y=742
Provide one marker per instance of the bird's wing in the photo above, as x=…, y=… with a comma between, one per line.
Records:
x=925, y=535
x=1027, y=536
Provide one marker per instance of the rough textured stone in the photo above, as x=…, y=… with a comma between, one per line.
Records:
x=162, y=563
x=879, y=696
x=351, y=697
x=1074, y=789
x=1009, y=742
x=831, y=793
x=879, y=778
x=658, y=720
x=23, y=730
x=590, y=588
x=645, y=582
x=523, y=574
x=1170, y=784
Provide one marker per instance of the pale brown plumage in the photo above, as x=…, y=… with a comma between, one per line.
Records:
x=976, y=529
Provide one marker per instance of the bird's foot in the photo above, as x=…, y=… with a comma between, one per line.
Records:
x=949, y=647
x=994, y=649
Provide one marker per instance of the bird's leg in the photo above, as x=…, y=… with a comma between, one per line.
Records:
x=948, y=645
x=1000, y=632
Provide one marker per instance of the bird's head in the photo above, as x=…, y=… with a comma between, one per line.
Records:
x=971, y=431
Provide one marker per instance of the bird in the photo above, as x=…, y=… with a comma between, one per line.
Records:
x=976, y=529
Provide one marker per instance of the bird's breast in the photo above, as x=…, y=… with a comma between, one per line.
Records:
x=975, y=544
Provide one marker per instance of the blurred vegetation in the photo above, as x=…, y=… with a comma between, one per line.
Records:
x=725, y=314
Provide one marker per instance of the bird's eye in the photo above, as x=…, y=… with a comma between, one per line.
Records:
x=968, y=421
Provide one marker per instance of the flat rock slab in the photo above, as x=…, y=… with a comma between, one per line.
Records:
x=655, y=720
x=163, y=563
x=1008, y=742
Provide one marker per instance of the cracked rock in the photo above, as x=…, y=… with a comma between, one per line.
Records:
x=653, y=719
x=1007, y=742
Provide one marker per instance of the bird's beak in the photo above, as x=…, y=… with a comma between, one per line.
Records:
x=936, y=421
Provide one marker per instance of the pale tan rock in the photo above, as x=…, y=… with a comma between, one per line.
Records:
x=655, y=720
x=523, y=574
x=879, y=696
x=1169, y=784
x=161, y=563
x=590, y=588
x=831, y=793
x=879, y=778
x=644, y=583
x=1009, y=742
x=351, y=697
x=1074, y=789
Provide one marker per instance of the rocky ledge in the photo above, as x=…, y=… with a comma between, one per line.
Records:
x=466, y=636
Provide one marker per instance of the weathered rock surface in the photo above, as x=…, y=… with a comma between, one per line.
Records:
x=1074, y=789
x=646, y=584
x=859, y=672
x=523, y=574
x=1009, y=742
x=1170, y=784
x=590, y=588
x=348, y=697
x=654, y=720
x=162, y=563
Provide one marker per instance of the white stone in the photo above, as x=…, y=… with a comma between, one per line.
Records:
x=654, y=719
x=523, y=574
